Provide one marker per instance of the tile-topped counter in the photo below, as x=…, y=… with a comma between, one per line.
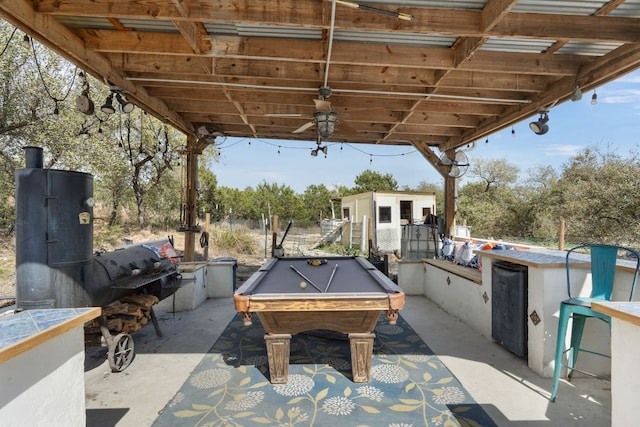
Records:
x=627, y=311
x=22, y=331
x=42, y=366
x=530, y=258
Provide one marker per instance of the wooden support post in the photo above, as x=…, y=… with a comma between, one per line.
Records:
x=363, y=231
x=274, y=234
x=190, y=208
x=450, y=205
x=206, y=230
x=371, y=235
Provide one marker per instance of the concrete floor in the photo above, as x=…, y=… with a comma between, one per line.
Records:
x=502, y=383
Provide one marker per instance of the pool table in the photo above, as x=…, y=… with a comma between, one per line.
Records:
x=294, y=294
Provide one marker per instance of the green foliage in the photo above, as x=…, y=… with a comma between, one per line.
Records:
x=369, y=180
x=317, y=204
x=600, y=197
x=341, y=250
x=108, y=236
x=236, y=240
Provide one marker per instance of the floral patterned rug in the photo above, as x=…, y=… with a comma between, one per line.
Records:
x=409, y=385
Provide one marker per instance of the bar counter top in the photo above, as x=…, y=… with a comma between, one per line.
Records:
x=19, y=332
x=628, y=311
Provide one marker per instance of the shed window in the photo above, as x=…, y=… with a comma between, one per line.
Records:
x=384, y=214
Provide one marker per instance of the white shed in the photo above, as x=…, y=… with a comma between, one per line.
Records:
x=388, y=211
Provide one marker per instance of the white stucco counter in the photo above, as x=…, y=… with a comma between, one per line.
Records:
x=625, y=347
x=468, y=293
x=42, y=367
x=547, y=288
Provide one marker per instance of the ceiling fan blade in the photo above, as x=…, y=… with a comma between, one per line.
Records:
x=347, y=128
x=322, y=105
x=304, y=127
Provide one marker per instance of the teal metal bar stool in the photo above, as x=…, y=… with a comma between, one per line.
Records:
x=603, y=259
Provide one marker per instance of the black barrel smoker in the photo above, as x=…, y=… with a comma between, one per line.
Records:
x=55, y=263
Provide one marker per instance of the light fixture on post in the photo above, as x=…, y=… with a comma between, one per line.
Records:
x=576, y=95
x=320, y=149
x=325, y=123
x=594, y=98
x=540, y=126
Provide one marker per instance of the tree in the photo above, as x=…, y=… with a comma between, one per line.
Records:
x=35, y=111
x=600, y=197
x=151, y=151
x=481, y=203
x=275, y=199
x=369, y=180
x=317, y=203
x=207, y=192
x=493, y=172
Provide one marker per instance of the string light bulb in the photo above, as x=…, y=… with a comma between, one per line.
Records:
x=26, y=41
x=513, y=132
x=594, y=98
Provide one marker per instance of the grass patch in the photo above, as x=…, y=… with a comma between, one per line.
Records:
x=341, y=250
x=237, y=240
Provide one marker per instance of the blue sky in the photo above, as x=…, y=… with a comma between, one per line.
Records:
x=613, y=122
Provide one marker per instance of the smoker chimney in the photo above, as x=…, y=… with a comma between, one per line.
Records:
x=33, y=157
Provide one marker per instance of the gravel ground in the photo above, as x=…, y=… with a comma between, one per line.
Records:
x=297, y=242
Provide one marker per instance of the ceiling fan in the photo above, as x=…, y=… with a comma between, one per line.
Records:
x=324, y=118
x=458, y=166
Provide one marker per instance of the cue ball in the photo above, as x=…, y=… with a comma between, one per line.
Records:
x=303, y=285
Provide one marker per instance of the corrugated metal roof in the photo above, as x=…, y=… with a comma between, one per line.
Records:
x=451, y=4
x=85, y=22
x=585, y=48
x=572, y=7
x=395, y=38
x=246, y=30
x=146, y=25
x=516, y=45
x=629, y=9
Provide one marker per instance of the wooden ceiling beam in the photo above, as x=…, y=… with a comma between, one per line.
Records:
x=453, y=22
x=157, y=45
x=615, y=64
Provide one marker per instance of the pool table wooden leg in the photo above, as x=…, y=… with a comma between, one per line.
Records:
x=361, y=346
x=392, y=316
x=278, y=357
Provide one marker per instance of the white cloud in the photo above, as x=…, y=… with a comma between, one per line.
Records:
x=562, y=150
x=625, y=96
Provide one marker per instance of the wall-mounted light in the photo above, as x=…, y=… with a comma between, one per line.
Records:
x=576, y=95
x=126, y=106
x=107, y=107
x=594, y=98
x=540, y=126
